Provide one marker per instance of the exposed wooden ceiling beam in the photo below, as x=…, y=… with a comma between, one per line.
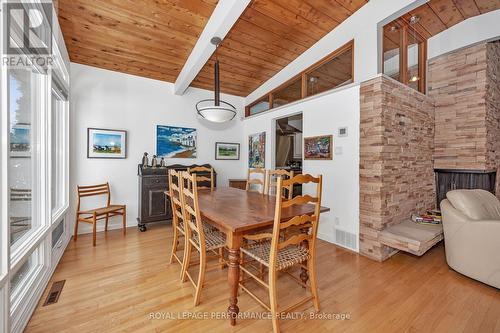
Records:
x=225, y=15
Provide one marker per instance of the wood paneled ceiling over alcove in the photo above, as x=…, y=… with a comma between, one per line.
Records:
x=439, y=15
x=268, y=36
x=147, y=38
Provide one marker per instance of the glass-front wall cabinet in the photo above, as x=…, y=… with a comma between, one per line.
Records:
x=34, y=163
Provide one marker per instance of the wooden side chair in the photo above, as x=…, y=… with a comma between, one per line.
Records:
x=271, y=183
x=259, y=180
x=93, y=215
x=281, y=253
x=199, y=235
x=174, y=179
x=203, y=179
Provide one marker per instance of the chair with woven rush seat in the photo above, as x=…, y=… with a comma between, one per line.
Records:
x=93, y=215
x=199, y=235
x=202, y=179
x=174, y=179
x=279, y=251
x=252, y=182
x=271, y=182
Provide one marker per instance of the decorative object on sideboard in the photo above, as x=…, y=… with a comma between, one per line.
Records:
x=154, y=162
x=318, y=147
x=227, y=151
x=145, y=160
x=106, y=143
x=176, y=142
x=154, y=205
x=163, y=164
x=257, y=150
x=211, y=109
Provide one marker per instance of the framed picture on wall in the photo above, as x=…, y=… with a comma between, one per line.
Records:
x=175, y=142
x=227, y=151
x=318, y=147
x=20, y=140
x=257, y=150
x=106, y=143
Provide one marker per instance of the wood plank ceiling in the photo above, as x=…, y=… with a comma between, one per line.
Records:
x=268, y=36
x=153, y=38
x=148, y=38
x=439, y=15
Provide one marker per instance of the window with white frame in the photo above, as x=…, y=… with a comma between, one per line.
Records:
x=25, y=107
x=58, y=149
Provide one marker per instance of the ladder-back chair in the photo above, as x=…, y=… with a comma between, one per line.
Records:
x=271, y=183
x=198, y=234
x=201, y=177
x=174, y=179
x=279, y=251
x=259, y=181
x=93, y=215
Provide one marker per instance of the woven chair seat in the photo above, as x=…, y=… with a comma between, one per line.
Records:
x=287, y=257
x=214, y=239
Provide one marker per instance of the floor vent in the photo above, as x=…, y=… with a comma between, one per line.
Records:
x=346, y=239
x=54, y=293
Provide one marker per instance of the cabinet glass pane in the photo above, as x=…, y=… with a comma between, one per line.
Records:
x=391, y=45
x=333, y=73
x=23, y=151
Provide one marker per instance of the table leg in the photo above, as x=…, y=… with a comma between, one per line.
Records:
x=233, y=275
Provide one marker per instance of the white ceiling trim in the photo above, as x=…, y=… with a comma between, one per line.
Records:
x=225, y=15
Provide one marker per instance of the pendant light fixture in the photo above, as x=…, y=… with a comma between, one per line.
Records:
x=216, y=110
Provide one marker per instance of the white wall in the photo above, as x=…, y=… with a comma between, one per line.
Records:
x=323, y=115
x=476, y=29
x=363, y=27
x=106, y=99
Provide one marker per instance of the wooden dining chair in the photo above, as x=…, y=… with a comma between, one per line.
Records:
x=178, y=230
x=280, y=253
x=201, y=177
x=271, y=182
x=93, y=215
x=258, y=181
x=199, y=235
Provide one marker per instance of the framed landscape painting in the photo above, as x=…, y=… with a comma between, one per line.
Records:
x=175, y=142
x=20, y=140
x=318, y=147
x=227, y=151
x=257, y=150
x=106, y=143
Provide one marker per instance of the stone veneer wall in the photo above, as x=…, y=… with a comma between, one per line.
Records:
x=493, y=109
x=396, y=159
x=465, y=87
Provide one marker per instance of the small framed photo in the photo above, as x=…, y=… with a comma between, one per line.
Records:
x=20, y=141
x=318, y=147
x=106, y=143
x=227, y=151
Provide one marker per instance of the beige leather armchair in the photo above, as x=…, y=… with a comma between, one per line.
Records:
x=471, y=223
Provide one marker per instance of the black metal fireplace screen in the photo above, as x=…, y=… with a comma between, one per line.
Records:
x=449, y=179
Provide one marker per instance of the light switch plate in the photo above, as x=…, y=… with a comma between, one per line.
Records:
x=339, y=150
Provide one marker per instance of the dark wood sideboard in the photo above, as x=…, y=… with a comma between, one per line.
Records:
x=154, y=205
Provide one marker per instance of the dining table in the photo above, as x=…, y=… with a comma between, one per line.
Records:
x=237, y=212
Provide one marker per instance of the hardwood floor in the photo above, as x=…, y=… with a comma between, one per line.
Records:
x=117, y=285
